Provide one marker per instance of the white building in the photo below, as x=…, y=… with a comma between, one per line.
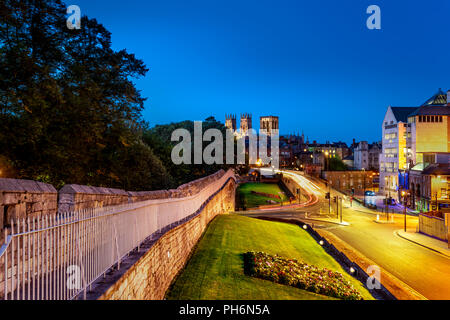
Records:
x=393, y=157
x=412, y=135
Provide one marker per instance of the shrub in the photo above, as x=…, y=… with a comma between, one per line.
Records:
x=300, y=275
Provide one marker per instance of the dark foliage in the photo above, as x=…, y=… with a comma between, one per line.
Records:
x=69, y=111
x=159, y=139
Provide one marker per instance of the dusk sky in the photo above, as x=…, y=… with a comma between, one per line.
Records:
x=312, y=63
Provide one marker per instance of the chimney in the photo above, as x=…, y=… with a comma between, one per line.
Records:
x=448, y=98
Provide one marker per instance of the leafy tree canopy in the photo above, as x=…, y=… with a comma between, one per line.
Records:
x=69, y=110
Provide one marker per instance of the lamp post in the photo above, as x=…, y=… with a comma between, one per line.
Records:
x=329, y=199
x=364, y=177
x=437, y=203
x=386, y=199
x=404, y=206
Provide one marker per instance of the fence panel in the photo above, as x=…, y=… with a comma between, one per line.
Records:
x=433, y=226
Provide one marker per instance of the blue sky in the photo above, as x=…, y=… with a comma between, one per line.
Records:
x=312, y=63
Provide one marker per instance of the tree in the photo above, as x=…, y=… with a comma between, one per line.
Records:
x=69, y=111
x=336, y=164
x=159, y=139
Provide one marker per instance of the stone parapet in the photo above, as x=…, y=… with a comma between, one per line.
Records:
x=151, y=276
x=75, y=197
x=20, y=199
x=182, y=191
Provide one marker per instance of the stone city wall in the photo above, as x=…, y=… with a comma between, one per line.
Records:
x=291, y=185
x=20, y=199
x=150, y=277
x=29, y=198
x=73, y=197
x=182, y=191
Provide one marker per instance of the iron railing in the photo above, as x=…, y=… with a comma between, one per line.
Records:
x=60, y=256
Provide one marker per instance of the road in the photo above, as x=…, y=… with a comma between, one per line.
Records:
x=423, y=270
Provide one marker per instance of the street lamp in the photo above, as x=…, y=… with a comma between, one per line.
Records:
x=386, y=199
x=364, y=176
x=404, y=206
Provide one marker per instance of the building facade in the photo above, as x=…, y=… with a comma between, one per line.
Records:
x=348, y=180
x=414, y=138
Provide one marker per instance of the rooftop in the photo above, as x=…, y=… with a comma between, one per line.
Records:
x=432, y=110
x=437, y=169
x=436, y=105
x=440, y=98
x=402, y=113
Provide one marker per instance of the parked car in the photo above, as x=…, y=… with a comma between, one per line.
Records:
x=369, y=193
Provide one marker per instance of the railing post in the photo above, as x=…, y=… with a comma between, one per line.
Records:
x=137, y=233
x=117, y=246
x=82, y=268
x=6, y=264
x=12, y=260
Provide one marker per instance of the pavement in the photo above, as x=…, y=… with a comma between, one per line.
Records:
x=413, y=259
x=425, y=241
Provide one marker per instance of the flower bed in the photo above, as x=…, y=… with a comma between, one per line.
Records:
x=299, y=275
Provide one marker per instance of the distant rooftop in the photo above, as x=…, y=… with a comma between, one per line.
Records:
x=438, y=99
x=436, y=105
x=437, y=169
x=432, y=110
x=402, y=113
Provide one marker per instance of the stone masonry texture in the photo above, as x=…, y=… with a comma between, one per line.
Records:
x=150, y=277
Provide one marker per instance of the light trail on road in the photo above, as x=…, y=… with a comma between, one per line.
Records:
x=303, y=182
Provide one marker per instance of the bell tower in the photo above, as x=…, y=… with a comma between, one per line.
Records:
x=230, y=122
x=246, y=123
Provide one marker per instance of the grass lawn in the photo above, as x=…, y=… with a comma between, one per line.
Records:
x=251, y=200
x=216, y=269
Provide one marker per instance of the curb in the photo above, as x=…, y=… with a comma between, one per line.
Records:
x=393, y=286
x=384, y=222
x=345, y=224
x=422, y=245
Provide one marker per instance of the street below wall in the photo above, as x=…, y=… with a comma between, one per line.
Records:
x=420, y=268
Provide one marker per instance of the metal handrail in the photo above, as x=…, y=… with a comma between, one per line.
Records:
x=37, y=255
